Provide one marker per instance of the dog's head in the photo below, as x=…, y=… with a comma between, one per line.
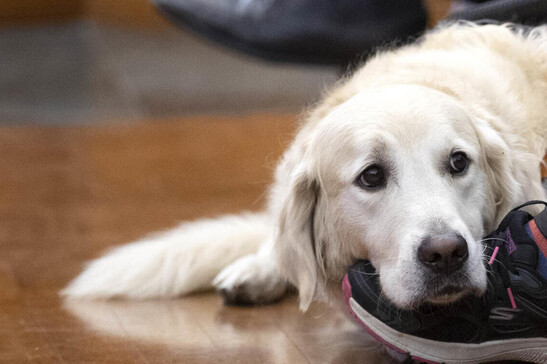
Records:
x=404, y=176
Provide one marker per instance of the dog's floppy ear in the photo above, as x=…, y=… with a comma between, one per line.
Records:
x=295, y=244
x=498, y=166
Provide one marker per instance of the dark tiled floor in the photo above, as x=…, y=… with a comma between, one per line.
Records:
x=82, y=72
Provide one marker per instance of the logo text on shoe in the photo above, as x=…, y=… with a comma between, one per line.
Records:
x=510, y=246
x=503, y=313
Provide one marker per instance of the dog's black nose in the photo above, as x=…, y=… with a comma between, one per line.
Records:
x=443, y=253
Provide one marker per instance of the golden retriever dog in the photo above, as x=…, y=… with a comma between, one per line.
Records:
x=435, y=140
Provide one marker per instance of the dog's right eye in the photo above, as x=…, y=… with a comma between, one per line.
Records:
x=458, y=163
x=372, y=177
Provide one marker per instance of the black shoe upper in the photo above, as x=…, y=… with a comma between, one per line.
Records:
x=514, y=306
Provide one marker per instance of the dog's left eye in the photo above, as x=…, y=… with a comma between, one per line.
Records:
x=372, y=177
x=458, y=162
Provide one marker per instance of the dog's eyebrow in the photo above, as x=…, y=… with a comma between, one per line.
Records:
x=373, y=149
x=378, y=151
x=378, y=154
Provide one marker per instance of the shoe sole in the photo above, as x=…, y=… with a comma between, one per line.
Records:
x=423, y=350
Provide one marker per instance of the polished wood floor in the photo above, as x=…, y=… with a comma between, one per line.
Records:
x=68, y=193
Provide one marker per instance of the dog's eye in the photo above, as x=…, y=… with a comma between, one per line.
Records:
x=372, y=177
x=458, y=162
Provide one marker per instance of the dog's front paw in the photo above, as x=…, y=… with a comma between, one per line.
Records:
x=251, y=280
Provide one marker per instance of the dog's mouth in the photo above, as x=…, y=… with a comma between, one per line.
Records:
x=448, y=294
x=441, y=291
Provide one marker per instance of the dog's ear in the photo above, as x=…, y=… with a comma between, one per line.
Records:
x=499, y=169
x=295, y=244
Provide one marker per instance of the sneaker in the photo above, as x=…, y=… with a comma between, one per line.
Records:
x=509, y=322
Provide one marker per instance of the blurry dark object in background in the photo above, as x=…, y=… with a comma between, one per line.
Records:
x=531, y=12
x=306, y=31
x=327, y=31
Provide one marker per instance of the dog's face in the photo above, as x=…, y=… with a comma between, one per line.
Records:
x=402, y=182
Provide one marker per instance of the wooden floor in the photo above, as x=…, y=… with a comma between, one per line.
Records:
x=68, y=193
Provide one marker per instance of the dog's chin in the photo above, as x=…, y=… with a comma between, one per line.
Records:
x=451, y=294
x=431, y=290
x=444, y=296
x=447, y=298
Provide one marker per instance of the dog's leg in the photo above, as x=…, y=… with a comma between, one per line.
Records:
x=253, y=279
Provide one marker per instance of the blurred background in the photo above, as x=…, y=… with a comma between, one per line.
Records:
x=83, y=61
x=87, y=61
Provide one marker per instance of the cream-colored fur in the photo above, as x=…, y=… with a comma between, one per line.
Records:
x=479, y=89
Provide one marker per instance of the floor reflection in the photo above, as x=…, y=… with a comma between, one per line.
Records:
x=276, y=333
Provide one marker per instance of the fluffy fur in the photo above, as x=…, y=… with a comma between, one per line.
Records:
x=477, y=89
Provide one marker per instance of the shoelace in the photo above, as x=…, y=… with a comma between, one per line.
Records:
x=502, y=265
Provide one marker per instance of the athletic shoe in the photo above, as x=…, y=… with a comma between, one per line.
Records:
x=509, y=322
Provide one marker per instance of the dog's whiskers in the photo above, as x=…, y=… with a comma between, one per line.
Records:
x=487, y=239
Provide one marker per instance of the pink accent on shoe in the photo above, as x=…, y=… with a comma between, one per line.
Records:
x=493, y=257
x=511, y=298
x=346, y=287
x=541, y=241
